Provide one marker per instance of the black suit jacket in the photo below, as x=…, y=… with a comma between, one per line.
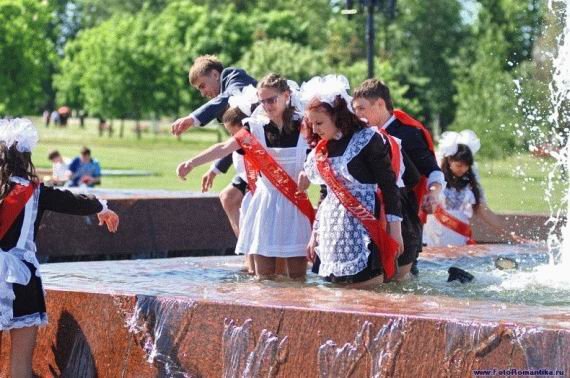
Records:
x=232, y=81
x=415, y=147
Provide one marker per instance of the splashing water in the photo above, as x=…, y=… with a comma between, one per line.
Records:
x=556, y=273
x=559, y=97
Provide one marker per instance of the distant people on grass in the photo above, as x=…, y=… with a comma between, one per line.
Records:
x=64, y=114
x=60, y=170
x=54, y=118
x=85, y=171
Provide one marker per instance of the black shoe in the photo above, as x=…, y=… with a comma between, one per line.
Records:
x=459, y=274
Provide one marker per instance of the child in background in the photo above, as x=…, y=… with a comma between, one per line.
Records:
x=463, y=197
x=60, y=170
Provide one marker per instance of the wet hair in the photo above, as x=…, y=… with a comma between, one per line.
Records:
x=54, y=154
x=463, y=155
x=279, y=83
x=203, y=65
x=373, y=89
x=14, y=163
x=346, y=121
x=233, y=117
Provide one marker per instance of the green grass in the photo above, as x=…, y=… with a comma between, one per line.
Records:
x=505, y=185
x=159, y=153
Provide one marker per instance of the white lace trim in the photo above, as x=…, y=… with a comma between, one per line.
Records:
x=19, y=180
x=104, y=204
x=358, y=141
x=32, y=320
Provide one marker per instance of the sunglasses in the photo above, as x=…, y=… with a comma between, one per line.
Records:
x=270, y=100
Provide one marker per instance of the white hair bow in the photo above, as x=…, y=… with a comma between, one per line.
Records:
x=244, y=100
x=450, y=139
x=20, y=132
x=326, y=89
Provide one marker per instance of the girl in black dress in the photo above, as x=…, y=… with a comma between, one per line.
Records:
x=23, y=201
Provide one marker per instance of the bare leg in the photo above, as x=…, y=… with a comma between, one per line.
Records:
x=367, y=285
x=23, y=343
x=403, y=272
x=281, y=267
x=249, y=264
x=264, y=266
x=231, y=202
x=296, y=267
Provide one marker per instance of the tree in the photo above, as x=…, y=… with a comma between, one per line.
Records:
x=422, y=43
x=113, y=69
x=385, y=71
x=25, y=50
x=486, y=94
x=520, y=22
x=289, y=59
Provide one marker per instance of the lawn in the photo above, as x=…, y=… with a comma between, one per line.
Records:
x=512, y=185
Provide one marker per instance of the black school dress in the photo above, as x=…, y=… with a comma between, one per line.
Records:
x=22, y=302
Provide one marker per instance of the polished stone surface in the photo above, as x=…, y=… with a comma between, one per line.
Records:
x=161, y=223
x=153, y=223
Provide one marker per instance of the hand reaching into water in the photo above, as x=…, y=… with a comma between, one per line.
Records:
x=432, y=199
x=311, y=253
x=395, y=231
x=110, y=219
x=183, y=169
x=181, y=125
x=208, y=180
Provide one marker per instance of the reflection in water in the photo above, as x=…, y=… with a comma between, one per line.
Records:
x=211, y=275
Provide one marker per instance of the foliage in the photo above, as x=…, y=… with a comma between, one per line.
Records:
x=25, y=50
x=485, y=94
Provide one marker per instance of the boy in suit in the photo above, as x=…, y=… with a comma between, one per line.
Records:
x=372, y=101
x=217, y=83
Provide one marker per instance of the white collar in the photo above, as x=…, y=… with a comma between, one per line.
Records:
x=389, y=121
x=19, y=180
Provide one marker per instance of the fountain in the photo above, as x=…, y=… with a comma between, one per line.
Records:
x=203, y=317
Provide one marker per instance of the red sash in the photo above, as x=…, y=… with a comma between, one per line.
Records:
x=387, y=247
x=263, y=162
x=396, y=156
x=454, y=224
x=13, y=204
x=421, y=188
x=251, y=174
x=395, y=152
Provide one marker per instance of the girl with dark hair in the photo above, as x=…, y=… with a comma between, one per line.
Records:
x=463, y=197
x=22, y=203
x=276, y=226
x=355, y=239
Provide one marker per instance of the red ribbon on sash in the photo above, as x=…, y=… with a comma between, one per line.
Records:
x=13, y=204
x=421, y=188
x=454, y=224
x=387, y=247
x=261, y=161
